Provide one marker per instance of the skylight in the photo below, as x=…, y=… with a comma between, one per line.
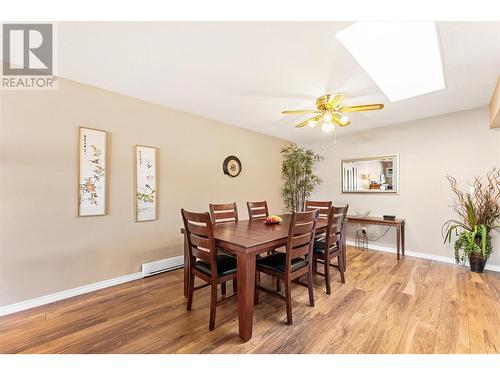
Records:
x=403, y=58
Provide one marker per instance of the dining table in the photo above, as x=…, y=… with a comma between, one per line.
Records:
x=245, y=239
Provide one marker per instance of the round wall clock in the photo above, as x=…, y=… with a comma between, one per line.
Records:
x=231, y=166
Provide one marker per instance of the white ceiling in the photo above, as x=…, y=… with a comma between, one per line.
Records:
x=245, y=74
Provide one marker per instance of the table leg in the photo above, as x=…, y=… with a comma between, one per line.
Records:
x=186, y=266
x=344, y=248
x=398, y=239
x=246, y=290
x=403, y=239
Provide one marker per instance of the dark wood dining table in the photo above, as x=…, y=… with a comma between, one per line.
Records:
x=245, y=239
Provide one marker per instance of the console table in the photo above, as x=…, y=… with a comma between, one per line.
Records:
x=399, y=224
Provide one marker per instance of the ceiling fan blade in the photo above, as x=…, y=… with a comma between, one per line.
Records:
x=339, y=122
x=334, y=101
x=300, y=111
x=362, y=108
x=304, y=123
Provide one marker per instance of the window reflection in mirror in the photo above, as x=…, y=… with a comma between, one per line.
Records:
x=379, y=174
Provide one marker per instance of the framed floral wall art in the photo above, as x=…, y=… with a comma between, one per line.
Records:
x=92, y=172
x=146, y=183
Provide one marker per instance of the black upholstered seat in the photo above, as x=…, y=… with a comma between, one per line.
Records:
x=276, y=262
x=226, y=265
x=319, y=247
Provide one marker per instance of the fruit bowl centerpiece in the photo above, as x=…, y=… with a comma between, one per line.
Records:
x=273, y=219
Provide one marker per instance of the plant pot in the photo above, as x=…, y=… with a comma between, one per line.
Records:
x=477, y=262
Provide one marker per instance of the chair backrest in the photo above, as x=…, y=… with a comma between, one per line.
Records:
x=301, y=236
x=223, y=213
x=341, y=211
x=333, y=235
x=200, y=238
x=257, y=210
x=322, y=206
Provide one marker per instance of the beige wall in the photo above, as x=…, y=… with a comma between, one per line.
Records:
x=459, y=144
x=45, y=248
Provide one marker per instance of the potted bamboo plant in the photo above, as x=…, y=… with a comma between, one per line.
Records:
x=299, y=179
x=478, y=213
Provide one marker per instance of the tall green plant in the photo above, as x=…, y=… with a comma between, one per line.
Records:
x=299, y=179
x=478, y=213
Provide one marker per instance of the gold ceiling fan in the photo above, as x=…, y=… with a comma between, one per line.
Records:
x=330, y=111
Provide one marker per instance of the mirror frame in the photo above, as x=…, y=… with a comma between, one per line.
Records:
x=396, y=167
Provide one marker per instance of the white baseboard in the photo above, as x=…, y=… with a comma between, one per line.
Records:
x=43, y=300
x=417, y=254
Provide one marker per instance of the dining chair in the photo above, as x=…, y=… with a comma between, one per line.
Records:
x=257, y=210
x=342, y=210
x=322, y=206
x=331, y=245
x=294, y=263
x=204, y=261
x=223, y=213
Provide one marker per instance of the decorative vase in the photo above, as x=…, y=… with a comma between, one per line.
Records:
x=477, y=262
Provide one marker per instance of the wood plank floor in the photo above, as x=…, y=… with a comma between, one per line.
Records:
x=385, y=306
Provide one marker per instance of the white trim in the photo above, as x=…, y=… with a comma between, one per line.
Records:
x=417, y=254
x=43, y=300
x=172, y=263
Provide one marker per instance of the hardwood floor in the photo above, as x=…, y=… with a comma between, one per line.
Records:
x=385, y=306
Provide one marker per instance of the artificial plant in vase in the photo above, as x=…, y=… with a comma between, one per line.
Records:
x=297, y=170
x=478, y=213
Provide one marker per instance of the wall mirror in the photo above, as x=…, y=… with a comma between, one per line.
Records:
x=376, y=174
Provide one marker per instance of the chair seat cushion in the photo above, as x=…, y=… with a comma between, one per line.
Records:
x=319, y=247
x=276, y=262
x=226, y=265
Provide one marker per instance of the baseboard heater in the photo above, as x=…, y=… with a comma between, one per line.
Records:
x=162, y=265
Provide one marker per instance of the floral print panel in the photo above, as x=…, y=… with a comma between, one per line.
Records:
x=146, y=206
x=92, y=172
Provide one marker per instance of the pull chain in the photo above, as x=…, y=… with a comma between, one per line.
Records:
x=325, y=138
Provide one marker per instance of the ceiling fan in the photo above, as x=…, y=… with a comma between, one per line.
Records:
x=330, y=111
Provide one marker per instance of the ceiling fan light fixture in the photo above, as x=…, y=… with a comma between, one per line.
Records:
x=330, y=112
x=343, y=119
x=327, y=118
x=327, y=127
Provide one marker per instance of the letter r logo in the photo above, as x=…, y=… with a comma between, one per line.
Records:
x=27, y=49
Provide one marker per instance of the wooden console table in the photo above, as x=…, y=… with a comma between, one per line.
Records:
x=371, y=220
